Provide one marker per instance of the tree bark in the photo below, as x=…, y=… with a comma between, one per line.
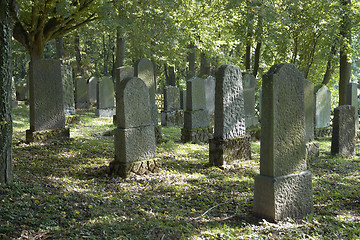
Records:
x=204, y=65
x=59, y=48
x=8, y=13
x=329, y=66
x=257, y=58
x=192, y=61
x=80, y=70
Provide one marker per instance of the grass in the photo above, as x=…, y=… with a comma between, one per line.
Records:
x=63, y=191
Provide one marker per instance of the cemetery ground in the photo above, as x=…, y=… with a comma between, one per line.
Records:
x=62, y=190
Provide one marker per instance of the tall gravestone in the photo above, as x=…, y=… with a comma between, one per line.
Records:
x=230, y=141
x=22, y=90
x=249, y=85
x=144, y=69
x=283, y=188
x=196, y=117
x=105, y=105
x=343, y=135
x=172, y=115
x=210, y=96
x=134, y=137
x=92, y=84
x=68, y=89
x=352, y=99
x=81, y=93
x=47, y=117
x=322, y=111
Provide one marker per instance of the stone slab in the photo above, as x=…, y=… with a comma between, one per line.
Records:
x=173, y=118
x=68, y=89
x=195, y=94
x=309, y=105
x=322, y=106
x=141, y=167
x=196, y=136
x=105, y=93
x=81, y=93
x=196, y=119
x=92, y=89
x=60, y=134
x=171, y=98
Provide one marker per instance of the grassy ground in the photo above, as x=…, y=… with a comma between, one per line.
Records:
x=63, y=191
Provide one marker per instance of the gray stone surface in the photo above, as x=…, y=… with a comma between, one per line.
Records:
x=22, y=90
x=283, y=188
x=144, y=69
x=249, y=84
x=132, y=104
x=125, y=72
x=352, y=99
x=46, y=95
x=81, y=93
x=92, y=89
x=229, y=103
x=195, y=94
x=171, y=98
x=68, y=89
x=183, y=99
x=343, y=135
x=322, y=106
x=14, y=102
x=105, y=97
x=210, y=94
x=196, y=119
x=309, y=105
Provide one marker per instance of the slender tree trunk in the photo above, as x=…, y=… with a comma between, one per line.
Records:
x=59, y=48
x=105, y=56
x=79, y=67
x=8, y=12
x=248, y=56
x=257, y=58
x=345, y=59
x=119, y=52
x=204, y=65
x=192, y=61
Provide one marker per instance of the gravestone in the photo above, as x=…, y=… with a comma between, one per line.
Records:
x=352, y=99
x=249, y=85
x=14, y=102
x=343, y=135
x=283, y=188
x=183, y=99
x=210, y=96
x=81, y=93
x=144, y=69
x=230, y=141
x=22, y=90
x=322, y=111
x=105, y=106
x=172, y=115
x=47, y=117
x=196, y=117
x=134, y=137
x=68, y=89
x=92, y=89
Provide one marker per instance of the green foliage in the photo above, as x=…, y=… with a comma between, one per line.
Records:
x=62, y=191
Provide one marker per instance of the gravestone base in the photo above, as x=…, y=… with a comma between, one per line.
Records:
x=124, y=170
x=72, y=119
x=312, y=150
x=198, y=135
x=280, y=197
x=323, y=132
x=158, y=136
x=48, y=135
x=172, y=118
x=108, y=112
x=82, y=105
x=223, y=151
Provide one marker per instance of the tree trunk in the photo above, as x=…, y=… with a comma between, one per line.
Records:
x=59, y=48
x=8, y=11
x=257, y=58
x=204, y=65
x=79, y=67
x=119, y=52
x=329, y=66
x=105, y=56
x=169, y=75
x=192, y=61
x=345, y=59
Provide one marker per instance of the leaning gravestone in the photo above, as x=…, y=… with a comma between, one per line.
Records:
x=144, y=69
x=105, y=106
x=322, y=111
x=210, y=96
x=343, y=135
x=249, y=84
x=352, y=99
x=196, y=117
x=92, y=89
x=172, y=115
x=134, y=137
x=81, y=93
x=68, y=89
x=230, y=141
x=47, y=117
x=283, y=188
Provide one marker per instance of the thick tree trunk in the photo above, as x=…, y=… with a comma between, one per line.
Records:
x=345, y=59
x=8, y=11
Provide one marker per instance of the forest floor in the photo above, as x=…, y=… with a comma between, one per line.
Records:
x=62, y=190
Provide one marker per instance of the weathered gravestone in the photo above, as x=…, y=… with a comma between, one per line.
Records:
x=134, y=137
x=121, y=74
x=144, y=69
x=283, y=188
x=210, y=96
x=312, y=148
x=352, y=99
x=196, y=117
x=249, y=84
x=322, y=111
x=343, y=135
x=92, y=84
x=230, y=141
x=14, y=102
x=81, y=93
x=22, y=90
x=47, y=117
x=68, y=89
x=172, y=115
x=105, y=106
